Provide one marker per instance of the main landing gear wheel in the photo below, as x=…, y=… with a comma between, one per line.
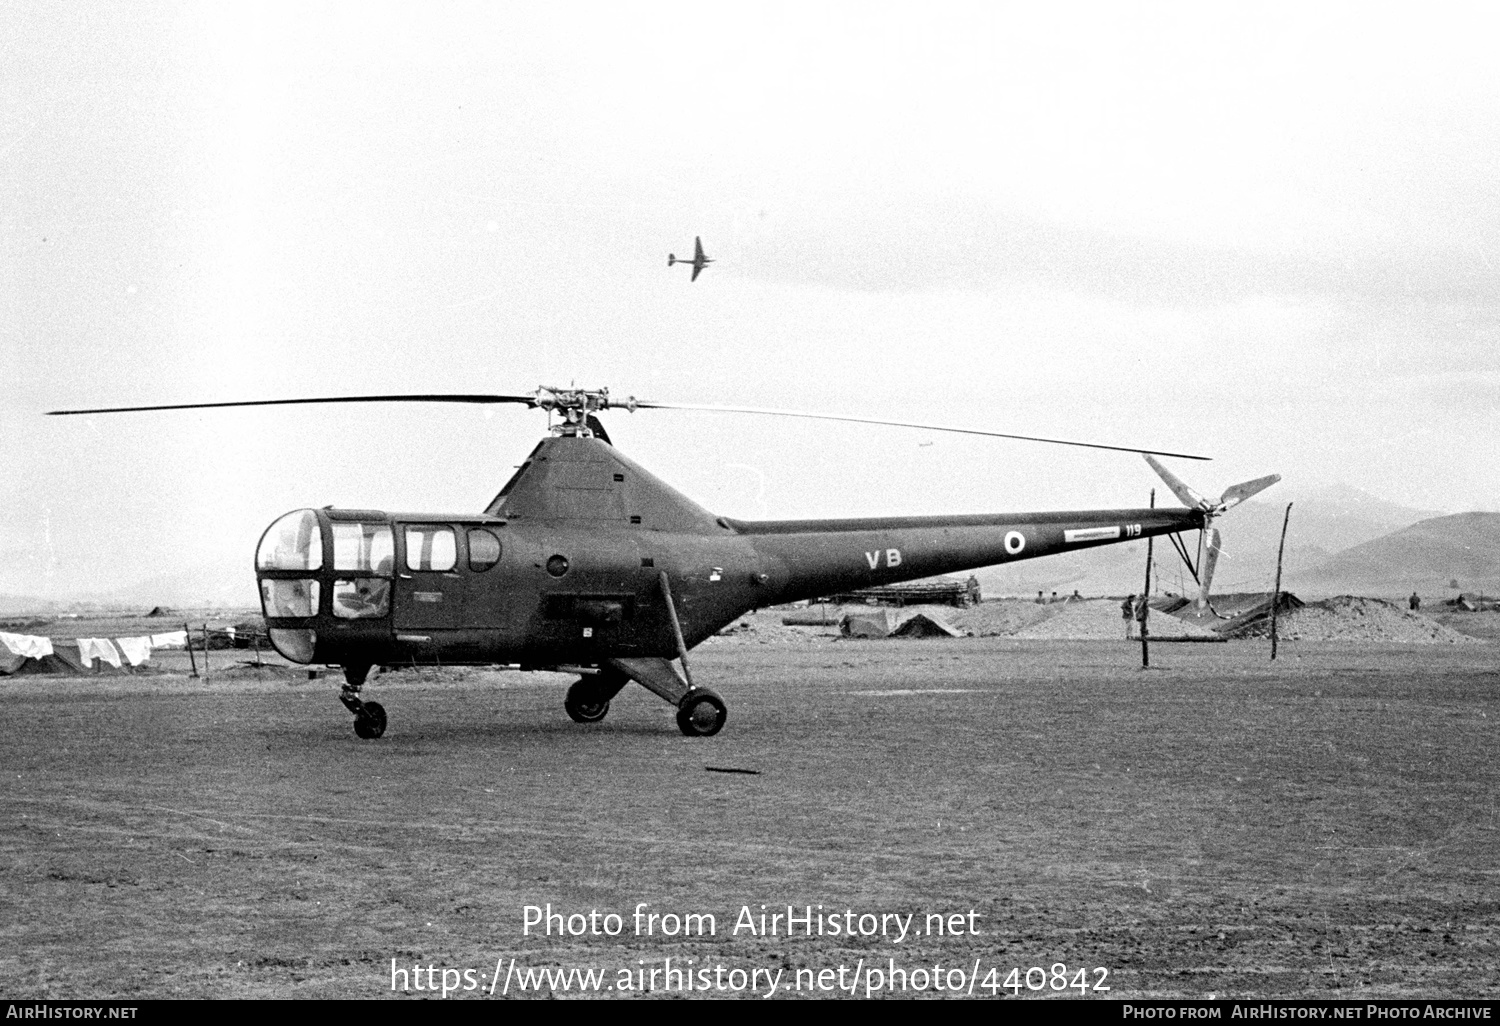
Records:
x=583, y=703
x=370, y=723
x=701, y=713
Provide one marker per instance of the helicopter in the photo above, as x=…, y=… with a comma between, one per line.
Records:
x=587, y=563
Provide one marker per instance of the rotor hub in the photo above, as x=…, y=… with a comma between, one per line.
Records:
x=574, y=406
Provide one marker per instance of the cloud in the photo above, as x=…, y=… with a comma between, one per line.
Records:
x=912, y=244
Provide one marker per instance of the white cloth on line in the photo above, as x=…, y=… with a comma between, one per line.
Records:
x=172, y=639
x=102, y=648
x=28, y=645
x=136, y=650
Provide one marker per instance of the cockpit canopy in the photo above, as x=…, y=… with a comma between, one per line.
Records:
x=295, y=575
x=293, y=542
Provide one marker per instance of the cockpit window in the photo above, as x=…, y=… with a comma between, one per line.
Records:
x=292, y=543
x=430, y=548
x=363, y=547
x=289, y=598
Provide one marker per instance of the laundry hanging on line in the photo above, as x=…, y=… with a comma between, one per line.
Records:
x=90, y=649
x=28, y=646
x=136, y=650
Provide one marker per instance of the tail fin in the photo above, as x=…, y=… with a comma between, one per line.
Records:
x=671, y=259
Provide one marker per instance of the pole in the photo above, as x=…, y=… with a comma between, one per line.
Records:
x=205, y=650
x=188, y=634
x=1145, y=593
x=1276, y=598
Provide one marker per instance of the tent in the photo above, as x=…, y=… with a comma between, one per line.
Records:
x=1256, y=621
x=922, y=625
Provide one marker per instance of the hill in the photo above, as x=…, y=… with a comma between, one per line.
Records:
x=1424, y=557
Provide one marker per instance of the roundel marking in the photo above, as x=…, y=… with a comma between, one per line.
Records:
x=1015, y=541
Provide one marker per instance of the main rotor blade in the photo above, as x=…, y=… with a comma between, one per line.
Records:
x=639, y=404
x=528, y=400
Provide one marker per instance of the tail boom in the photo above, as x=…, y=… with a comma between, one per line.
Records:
x=817, y=557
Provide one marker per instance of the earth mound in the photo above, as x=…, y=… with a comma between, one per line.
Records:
x=1351, y=618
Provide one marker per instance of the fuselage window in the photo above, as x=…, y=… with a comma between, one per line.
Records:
x=361, y=598
x=431, y=548
x=363, y=547
x=484, y=550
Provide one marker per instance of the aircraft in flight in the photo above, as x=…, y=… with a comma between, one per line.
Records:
x=699, y=261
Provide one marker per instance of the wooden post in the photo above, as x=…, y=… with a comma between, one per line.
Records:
x=1145, y=594
x=205, y=650
x=188, y=634
x=1276, y=598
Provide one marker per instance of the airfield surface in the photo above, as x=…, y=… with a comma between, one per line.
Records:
x=1324, y=826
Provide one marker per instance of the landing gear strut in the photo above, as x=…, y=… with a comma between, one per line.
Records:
x=369, y=717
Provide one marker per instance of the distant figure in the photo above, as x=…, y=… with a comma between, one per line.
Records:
x=1127, y=611
x=972, y=587
x=1075, y=597
x=1415, y=602
x=1039, y=600
x=1054, y=597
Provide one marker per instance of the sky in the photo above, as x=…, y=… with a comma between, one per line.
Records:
x=1266, y=234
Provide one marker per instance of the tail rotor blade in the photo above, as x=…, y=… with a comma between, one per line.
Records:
x=1236, y=494
x=1186, y=495
x=1206, y=572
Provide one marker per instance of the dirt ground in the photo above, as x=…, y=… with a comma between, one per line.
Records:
x=1322, y=826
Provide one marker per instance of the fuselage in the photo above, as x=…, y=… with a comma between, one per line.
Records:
x=565, y=566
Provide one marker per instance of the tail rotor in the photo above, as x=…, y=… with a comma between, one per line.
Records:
x=1209, y=544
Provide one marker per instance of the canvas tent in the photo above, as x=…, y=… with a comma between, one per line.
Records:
x=922, y=625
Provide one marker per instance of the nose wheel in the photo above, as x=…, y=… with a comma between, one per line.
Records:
x=370, y=722
x=701, y=713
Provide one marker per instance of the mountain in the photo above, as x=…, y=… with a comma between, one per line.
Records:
x=1424, y=557
x=1339, y=517
x=206, y=585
